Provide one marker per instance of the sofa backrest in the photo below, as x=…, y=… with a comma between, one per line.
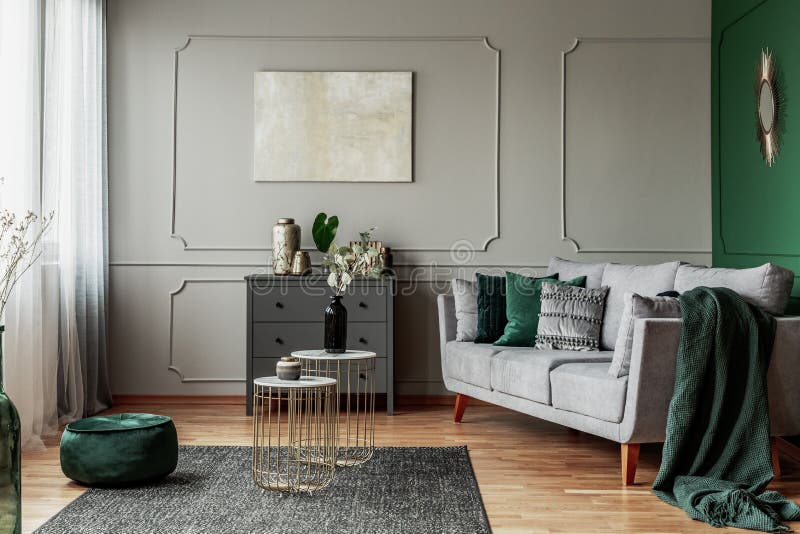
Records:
x=567, y=270
x=767, y=286
x=645, y=280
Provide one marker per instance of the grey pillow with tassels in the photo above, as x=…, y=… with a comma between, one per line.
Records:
x=571, y=317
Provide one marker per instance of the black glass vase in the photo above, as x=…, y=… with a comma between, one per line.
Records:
x=336, y=326
x=10, y=461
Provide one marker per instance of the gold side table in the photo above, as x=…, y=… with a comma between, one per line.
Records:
x=354, y=372
x=294, y=433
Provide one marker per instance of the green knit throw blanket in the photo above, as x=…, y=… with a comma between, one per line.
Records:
x=716, y=460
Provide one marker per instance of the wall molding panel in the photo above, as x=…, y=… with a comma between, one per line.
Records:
x=766, y=254
x=506, y=171
x=600, y=249
x=173, y=366
x=493, y=233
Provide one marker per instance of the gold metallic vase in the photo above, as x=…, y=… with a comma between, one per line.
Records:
x=301, y=264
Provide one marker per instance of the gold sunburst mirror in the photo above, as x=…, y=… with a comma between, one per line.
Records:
x=768, y=107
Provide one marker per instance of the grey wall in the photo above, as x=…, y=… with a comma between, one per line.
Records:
x=629, y=111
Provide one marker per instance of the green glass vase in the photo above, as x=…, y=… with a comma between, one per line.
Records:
x=10, y=461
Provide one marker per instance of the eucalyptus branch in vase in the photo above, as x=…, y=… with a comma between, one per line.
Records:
x=347, y=263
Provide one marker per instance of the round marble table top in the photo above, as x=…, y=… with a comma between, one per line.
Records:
x=320, y=354
x=304, y=382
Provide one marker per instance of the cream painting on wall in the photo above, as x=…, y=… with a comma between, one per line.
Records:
x=332, y=127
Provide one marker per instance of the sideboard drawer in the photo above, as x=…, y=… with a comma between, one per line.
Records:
x=366, y=336
x=273, y=340
x=266, y=367
x=367, y=305
x=294, y=307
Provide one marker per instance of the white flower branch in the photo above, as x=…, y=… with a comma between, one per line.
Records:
x=20, y=240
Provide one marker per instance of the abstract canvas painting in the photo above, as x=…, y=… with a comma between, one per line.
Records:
x=332, y=127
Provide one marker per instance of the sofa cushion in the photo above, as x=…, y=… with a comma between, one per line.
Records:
x=523, y=305
x=571, y=317
x=491, y=308
x=465, y=295
x=647, y=280
x=567, y=270
x=638, y=307
x=470, y=362
x=767, y=287
x=587, y=388
x=525, y=372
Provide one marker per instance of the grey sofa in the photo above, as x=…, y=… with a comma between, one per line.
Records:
x=574, y=388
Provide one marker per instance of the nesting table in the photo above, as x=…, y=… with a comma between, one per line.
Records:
x=294, y=450
x=303, y=429
x=354, y=372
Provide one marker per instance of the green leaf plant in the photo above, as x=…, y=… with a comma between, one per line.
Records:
x=324, y=231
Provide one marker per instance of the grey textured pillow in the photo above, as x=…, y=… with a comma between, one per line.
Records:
x=638, y=307
x=465, y=294
x=767, y=286
x=571, y=317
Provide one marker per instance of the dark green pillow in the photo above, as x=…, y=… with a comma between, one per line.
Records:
x=492, y=307
x=523, y=304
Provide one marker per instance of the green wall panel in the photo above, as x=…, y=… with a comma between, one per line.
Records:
x=756, y=208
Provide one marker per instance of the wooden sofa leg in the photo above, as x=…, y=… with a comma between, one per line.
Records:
x=630, y=457
x=776, y=462
x=461, y=405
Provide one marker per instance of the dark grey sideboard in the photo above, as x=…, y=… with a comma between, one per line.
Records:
x=286, y=313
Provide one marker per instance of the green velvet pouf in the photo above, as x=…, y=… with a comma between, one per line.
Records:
x=120, y=449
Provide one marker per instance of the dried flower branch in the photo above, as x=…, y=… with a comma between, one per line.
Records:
x=20, y=240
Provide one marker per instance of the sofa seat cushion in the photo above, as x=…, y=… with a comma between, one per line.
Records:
x=525, y=372
x=470, y=362
x=646, y=280
x=587, y=388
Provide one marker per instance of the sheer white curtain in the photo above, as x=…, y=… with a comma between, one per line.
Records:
x=30, y=355
x=74, y=186
x=52, y=158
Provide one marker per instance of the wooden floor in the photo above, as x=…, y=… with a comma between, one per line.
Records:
x=534, y=476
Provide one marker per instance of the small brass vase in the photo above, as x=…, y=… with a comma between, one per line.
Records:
x=301, y=264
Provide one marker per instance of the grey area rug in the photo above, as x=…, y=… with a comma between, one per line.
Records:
x=401, y=490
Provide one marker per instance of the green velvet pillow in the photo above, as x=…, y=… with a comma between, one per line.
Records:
x=523, y=304
x=492, y=307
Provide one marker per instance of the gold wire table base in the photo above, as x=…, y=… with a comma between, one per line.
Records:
x=294, y=433
x=354, y=372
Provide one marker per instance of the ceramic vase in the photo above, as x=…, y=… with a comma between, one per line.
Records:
x=288, y=368
x=285, y=243
x=10, y=461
